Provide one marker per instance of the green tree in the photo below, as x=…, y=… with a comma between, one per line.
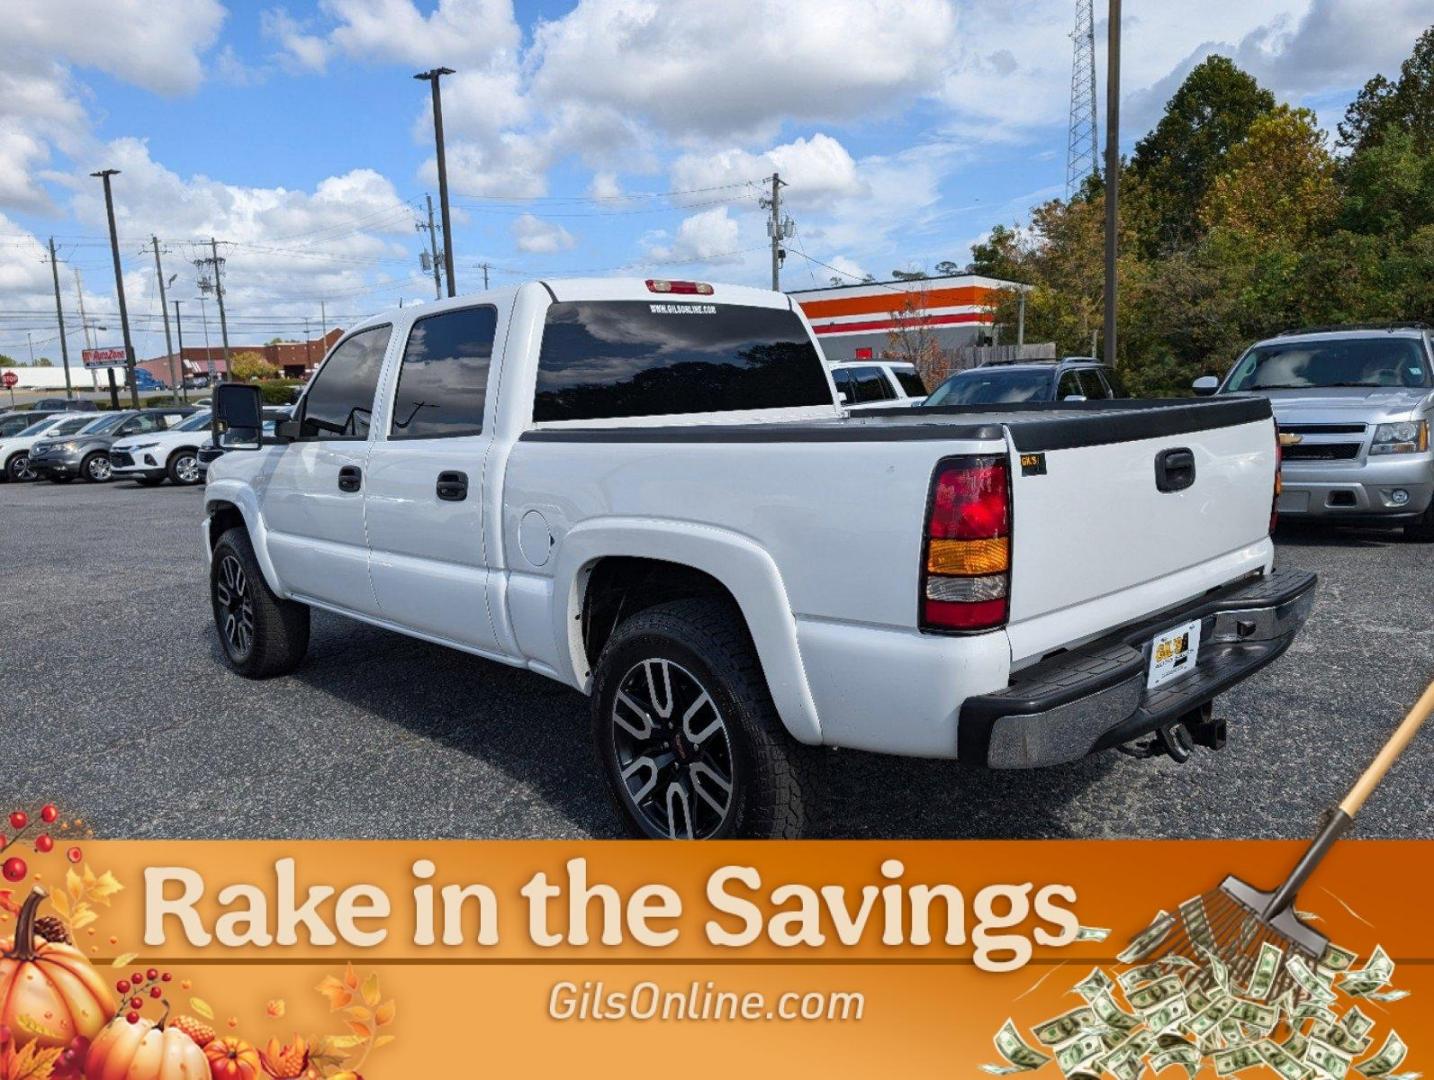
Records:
x=1406, y=104
x=1177, y=161
x=1389, y=185
x=44, y=361
x=1278, y=184
x=947, y=268
x=246, y=366
x=8, y=361
x=908, y=275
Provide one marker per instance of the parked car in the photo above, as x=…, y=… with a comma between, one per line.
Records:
x=173, y=454
x=866, y=384
x=15, y=449
x=1353, y=406
x=59, y=404
x=87, y=454
x=1072, y=378
x=210, y=451
x=12, y=423
x=628, y=486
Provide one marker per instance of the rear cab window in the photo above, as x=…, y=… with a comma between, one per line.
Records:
x=910, y=381
x=443, y=379
x=610, y=359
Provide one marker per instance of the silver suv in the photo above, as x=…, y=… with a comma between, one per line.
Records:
x=1353, y=405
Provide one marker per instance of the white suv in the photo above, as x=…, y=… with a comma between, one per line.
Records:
x=875, y=384
x=155, y=455
x=15, y=450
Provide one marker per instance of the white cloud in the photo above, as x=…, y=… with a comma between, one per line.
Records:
x=709, y=236
x=695, y=68
x=511, y=165
x=534, y=235
x=456, y=32
x=816, y=171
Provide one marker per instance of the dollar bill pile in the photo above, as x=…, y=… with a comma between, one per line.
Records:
x=1194, y=1011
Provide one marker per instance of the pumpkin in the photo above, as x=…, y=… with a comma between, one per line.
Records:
x=49, y=993
x=233, y=1059
x=144, y=1050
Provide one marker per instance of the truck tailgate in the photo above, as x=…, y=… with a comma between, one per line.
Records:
x=1119, y=513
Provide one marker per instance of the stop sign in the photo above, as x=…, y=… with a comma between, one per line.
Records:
x=9, y=379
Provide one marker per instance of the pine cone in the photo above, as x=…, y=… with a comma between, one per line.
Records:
x=52, y=929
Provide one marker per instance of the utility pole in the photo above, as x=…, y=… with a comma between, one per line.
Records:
x=208, y=352
x=778, y=228
x=433, y=251
x=104, y=175
x=432, y=76
x=60, y=318
x=89, y=340
x=179, y=334
x=308, y=344
x=219, y=295
x=29, y=342
x=485, y=276
x=1112, y=180
x=175, y=384
x=324, y=322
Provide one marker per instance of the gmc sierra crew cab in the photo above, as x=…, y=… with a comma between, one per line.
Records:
x=649, y=491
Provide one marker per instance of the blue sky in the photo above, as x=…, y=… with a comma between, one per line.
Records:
x=295, y=134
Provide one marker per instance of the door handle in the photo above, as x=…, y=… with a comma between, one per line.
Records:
x=453, y=486
x=350, y=478
x=1174, y=469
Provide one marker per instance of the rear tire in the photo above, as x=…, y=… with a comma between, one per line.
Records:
x=260, y=634
x=17, y=469
x=687, y=736
x=183, y=469
x=1421, y=530
x=96, y=468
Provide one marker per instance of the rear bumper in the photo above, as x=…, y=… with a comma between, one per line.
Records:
x=1095, y=697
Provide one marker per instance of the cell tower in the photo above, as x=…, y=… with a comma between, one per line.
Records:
x=1082, y=158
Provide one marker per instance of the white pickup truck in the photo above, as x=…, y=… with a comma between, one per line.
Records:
x=647, y=490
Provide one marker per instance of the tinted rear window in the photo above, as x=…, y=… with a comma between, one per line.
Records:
x=992, y=387
x=606, y=359
x=910, y=380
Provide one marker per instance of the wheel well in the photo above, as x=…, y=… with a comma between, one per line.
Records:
x=180, y=450
x=223, y=516
x=618, y=587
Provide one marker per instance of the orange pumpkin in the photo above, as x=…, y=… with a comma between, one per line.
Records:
x=144, y=1051
x=232, y=1059
x=49, y=994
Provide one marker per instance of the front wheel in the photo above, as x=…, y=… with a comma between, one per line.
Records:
x=184, y=468
x=96, y=468
x=17, y=469
x=260, y=633
x=687, y=736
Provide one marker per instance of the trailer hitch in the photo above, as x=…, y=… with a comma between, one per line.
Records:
x=1177, y=740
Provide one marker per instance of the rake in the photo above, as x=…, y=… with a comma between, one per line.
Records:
x=1234, y=921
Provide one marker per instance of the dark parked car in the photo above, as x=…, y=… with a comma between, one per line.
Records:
x=1073, y=378
x=59, y=404
x=87, y=454
x=12, y=423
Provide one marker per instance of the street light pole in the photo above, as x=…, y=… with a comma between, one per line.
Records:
x=1112, y=179
x=104, y=175
x=432, y=76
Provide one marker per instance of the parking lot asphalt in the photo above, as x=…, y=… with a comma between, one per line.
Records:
x=114, y=702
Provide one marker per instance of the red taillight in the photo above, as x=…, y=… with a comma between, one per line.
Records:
x=966, y=556
x=1279, y=482
x=682, y=288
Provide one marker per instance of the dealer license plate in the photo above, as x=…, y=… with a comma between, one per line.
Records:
x=1173, y=654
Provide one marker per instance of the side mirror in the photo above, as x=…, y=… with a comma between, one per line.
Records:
x=1205, y=385
x=238, y=416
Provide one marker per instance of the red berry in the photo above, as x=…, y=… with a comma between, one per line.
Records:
x=14, y=869
x=136, y=1003
x=152, y=974
x=48, y=813
x=43, y=844
x=166, y=977
x=19, y=819
x=74, y=854
x=122, y=986
x=155, y=991
x=132, y=1017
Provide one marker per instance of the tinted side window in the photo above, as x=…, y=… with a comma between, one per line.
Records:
x=871, y=384
x=616, y=358
x=339, y=403
x=910, y=380
x=1092, y=385
x=444, y=378
x=1068, y=386
x=842, y=378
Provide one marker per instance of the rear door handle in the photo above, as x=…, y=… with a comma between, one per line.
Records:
x=453, y=486
x=1174, y=469
x=350, y=478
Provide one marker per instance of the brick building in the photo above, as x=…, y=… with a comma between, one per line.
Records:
x=296, y=359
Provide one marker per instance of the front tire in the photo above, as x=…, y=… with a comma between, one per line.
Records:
x=183, y=469
x=260, y=634
x=687, y=736
x=96, y=468
x=1421, y=530
x=17, y=469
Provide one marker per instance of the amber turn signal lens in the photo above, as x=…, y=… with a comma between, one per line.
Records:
x=969, y=557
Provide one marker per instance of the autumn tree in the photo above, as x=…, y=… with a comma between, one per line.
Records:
x=1177, y=161
x=247, y=366
x=911, y=339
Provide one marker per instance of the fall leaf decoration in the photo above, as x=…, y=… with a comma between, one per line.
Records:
x=365, y=1014
x=84, y=890
x=30, y=1062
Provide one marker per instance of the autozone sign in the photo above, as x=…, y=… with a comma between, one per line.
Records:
x=107, y=356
